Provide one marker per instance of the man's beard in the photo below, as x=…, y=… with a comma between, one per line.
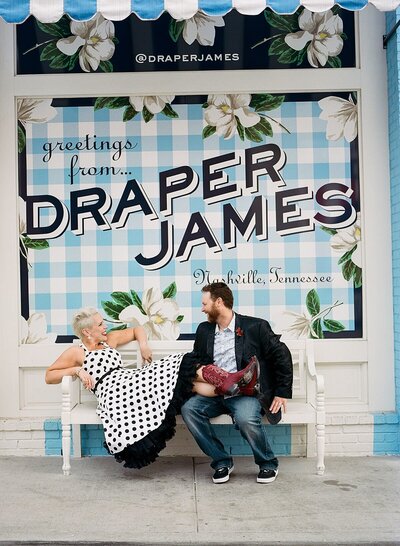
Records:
x=213, y=315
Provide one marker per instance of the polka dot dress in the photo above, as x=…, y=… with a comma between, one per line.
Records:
x=131, y=403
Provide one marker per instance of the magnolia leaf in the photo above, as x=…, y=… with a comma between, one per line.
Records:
x=328, y=230
x=333, y=325
x=208, y=131
x=175, y=29
x=72, y=60
x=264, y=127
x=21, y=140
x=122, y=298
x=317, y=327
x=240, y=128
x=334, y=62
x=61, y=29
x=289, y=23
x=180, y=318
x=36, y=244
x=170, y=112
x=348, y=269
x=138, y=302
x=357, y=276
x=266, y=102
x=347, y=255
x=290, y=56
x=313, y=303
x=112, y=309
x=278, y=46
x=252, y=134
x=120, y=327
x=170, y=291
x=106, y=66
x=59, y=61
x=49, y=51
x=129, y=113
x=147, y=115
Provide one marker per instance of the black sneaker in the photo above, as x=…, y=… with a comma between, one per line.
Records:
x=267, y=475
x=221, y=475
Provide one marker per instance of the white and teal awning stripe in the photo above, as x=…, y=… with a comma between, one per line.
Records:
x=48, y=11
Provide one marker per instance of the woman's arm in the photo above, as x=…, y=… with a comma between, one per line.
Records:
x=68, y=363
x=120, y=337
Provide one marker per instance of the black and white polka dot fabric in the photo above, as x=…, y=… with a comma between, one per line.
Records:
x=131, y=403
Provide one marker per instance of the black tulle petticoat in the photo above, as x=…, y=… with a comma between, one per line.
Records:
x=145, y=451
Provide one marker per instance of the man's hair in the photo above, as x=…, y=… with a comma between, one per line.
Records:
x=220, y=290
x=83, y=319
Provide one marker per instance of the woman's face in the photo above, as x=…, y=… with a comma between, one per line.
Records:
x=98, y=331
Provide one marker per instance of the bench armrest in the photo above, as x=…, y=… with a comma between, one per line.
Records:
x=70, y=389
x=312, y=372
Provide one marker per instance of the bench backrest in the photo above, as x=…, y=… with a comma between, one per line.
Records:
x=301, y=350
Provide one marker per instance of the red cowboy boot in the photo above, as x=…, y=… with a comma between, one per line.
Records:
x=252, y=387
x=229, y=383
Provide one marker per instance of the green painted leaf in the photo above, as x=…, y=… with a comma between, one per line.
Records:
x=290, y=56
x=170, y=112
x=347, y=255
x=289, y=23
x=59, y=61
x=147, y=115
x=36, y=244
x=334, y=62
x=129, y=113
x=21, y=139
x=357, y=276
x=61, y=29
x=112, y=309
x=106, y=66
x=204, y=105
x=277, y=46
x=175, y=29
x=170, y=291
x=240, y=128
x=122, y=298
x=317, y=327
x=137, y=301
x=348, y=269
x=49, y=51
x=264, y=127
x=328, y=230
x=208, y=131
x=333, y=325
x=180, y=318
x=313, y=303
x=73, y=60
x=270, y=102
x=252, y=134
x=111, y=102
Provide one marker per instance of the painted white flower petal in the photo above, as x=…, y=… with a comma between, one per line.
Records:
x=298, y=40
x=356, y=257
x=70, y=45
x=137, y=103
x=247, y=117
x=350, y=128
x=150, y=296
x=190, y=31
x=23, y=330
x=154, y=104
x=132, y=315
x=166, y=309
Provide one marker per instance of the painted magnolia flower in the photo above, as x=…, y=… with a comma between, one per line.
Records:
x=153, y=104
x=35, y=111
x=201, y=27
x=160, y=321
x=296, y=325
x=341, y=116
x=34, y=330
x=222, y=111
x=348, y=238
x=94, y=38
x=323, y=33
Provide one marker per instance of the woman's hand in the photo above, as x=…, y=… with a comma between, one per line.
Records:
x=86, y=379
x=146, y=353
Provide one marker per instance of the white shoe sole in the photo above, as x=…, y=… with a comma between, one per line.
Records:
x=225, y=479
x=267, y=480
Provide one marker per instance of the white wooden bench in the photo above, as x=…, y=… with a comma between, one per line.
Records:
x=307, y=406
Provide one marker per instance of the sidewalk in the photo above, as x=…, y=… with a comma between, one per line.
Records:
x=175, y=502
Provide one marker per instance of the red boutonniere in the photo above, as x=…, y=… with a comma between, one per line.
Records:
x=239, y=332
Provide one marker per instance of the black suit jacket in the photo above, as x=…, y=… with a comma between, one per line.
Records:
x=254, y=336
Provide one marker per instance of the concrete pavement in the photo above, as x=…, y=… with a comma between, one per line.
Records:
x=175, y=502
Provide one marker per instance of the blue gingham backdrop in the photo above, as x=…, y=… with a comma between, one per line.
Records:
x=83, y=270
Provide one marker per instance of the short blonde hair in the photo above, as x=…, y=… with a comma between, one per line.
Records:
x=83, y=319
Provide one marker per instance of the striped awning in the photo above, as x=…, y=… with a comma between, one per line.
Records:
x=49, y=11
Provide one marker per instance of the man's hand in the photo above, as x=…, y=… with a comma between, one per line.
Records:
x=277, y=404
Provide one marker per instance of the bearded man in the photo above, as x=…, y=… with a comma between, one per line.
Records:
x=232, y=341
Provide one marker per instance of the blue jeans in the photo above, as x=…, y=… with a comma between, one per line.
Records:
x=246, y=412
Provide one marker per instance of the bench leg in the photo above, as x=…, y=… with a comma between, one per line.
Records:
x=66, y=449
x=320, y=429
x=76, y=437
